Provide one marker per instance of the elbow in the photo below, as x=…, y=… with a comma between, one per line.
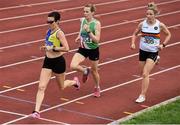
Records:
x=67, y=49
x=97, y=40
x=169, y=35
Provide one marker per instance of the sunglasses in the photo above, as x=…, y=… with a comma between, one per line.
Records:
x=50, y=21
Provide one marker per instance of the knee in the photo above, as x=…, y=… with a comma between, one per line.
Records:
x=94, y=70
x=41, y=88
x=145, y=74
x=73, y=66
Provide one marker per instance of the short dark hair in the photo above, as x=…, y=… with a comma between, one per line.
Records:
x=56, y=15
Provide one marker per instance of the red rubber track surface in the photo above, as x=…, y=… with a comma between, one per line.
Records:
x=20, y=65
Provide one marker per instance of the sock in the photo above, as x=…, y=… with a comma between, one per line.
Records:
x=85, y=72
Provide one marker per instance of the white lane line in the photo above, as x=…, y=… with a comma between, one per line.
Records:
x=69, y=20
x=35, y=4
x=39, y=58
x=105, y=90
x=23, y=115
x=68, y=9
x=59, y=109
x=103, y=27
x=101, y=64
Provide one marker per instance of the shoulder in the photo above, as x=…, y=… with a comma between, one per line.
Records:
x=82, y=19
x=59, y=33
x=140, y=24
x=144, y=22
x=162, y=24
x=97, y=22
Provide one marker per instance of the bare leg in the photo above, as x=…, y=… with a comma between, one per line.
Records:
x=62, y=83
x=146, y=71
x=95, y=74
x=44, y=79
x=75, y=63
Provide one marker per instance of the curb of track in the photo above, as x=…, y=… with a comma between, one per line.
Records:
x=119, y=121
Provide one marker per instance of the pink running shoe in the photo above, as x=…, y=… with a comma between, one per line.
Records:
x=35, y=114
x=97, y=92
x=78, y=84
x=85, y=76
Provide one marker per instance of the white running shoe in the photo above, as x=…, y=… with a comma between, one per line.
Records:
x=140, y=99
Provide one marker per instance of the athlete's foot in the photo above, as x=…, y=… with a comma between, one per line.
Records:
x=140, y=99
x=77, y=84
x=85, y=75
x=97, y=92
x=35, y=114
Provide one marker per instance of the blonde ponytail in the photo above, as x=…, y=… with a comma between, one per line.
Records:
x=152, y=6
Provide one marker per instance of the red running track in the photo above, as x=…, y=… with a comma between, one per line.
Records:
x=118, y=65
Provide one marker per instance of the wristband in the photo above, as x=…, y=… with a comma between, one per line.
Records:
x=164, y=45
x=54, y=49
x=89, y=32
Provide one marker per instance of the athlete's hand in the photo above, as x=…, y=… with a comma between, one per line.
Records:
x=77, y=40
x=160, y=47
x=48, y=48
x=133, y=46
x=42, y=47
x=86, y=27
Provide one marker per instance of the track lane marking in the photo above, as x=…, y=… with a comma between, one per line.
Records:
x=39, y=58
x=74, y=19
x=23, y=115
x=89, y=95
x=30, y=5
x=68, y=9
x=74, y=33
x=101, y=64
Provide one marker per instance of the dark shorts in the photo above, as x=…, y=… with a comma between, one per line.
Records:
x=143, y=55
x=58, y=65
x=93, y=54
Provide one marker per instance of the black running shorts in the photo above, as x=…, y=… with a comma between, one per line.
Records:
x=58, y=64
x=143, y=55
x=93, y=54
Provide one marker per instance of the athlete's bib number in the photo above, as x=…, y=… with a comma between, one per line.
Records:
x=85, y=38
x=149, y=40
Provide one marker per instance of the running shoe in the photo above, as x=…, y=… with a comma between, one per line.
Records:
x=78, y=84
x=157, y=60
x=35, y=114
x=140, y=99
x=85, y=76
x=97, y=92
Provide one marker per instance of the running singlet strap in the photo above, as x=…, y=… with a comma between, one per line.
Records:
x=51, y=39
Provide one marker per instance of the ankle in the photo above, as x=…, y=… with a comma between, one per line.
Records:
x=86, y=71
x=35, y=112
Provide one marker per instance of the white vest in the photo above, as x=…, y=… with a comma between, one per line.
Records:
x=150, y=37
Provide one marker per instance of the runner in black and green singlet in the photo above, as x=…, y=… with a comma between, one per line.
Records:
x=88, y=38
